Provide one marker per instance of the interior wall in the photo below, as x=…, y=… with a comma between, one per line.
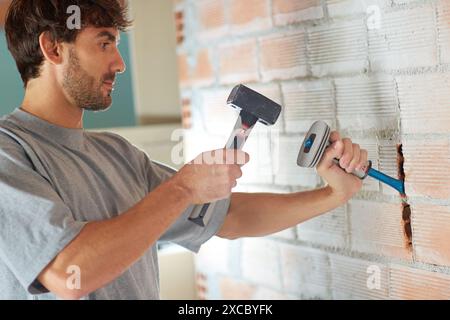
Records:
x=377, y=71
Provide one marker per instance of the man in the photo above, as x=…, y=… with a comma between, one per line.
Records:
x=92, y=202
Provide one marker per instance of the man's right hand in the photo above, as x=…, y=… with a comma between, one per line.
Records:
x=212, y=175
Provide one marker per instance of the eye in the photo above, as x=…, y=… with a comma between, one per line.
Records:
x=104, y=45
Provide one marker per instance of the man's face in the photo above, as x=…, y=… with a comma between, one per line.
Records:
x=93, y=62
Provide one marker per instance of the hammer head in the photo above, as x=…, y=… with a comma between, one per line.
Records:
x=255, y=104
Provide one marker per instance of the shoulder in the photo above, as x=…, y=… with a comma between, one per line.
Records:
x=11, y=152
x=117, y=146
x=114, y=140
x=8, y=138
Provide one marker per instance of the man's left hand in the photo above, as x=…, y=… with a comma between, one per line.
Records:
x=342, y=183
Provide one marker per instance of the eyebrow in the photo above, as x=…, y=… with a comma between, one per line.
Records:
x=108, y=35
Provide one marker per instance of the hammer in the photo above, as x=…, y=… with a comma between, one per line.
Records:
x=253, y=107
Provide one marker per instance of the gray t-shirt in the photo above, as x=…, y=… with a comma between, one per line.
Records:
x=53, y=181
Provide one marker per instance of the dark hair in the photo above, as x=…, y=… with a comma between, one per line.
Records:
x=26, y=20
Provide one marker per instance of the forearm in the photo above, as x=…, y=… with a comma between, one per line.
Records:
x=105, y=249
x=260, y=214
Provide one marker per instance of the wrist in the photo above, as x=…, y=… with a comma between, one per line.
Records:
x=338, y=198
x=181, y=188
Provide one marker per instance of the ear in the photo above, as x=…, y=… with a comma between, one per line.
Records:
x=50, y=48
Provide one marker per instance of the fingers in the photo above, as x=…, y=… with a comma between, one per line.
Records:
x=239, y=157
x=356, y=158
x=364, y=158
x=334, y=136
x=351, y=156
x=223, y=156
x=347, y=155
x=235, y=172
x=332, y=152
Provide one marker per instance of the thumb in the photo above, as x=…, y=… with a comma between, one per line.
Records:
x=334, y=151
x=234, y=156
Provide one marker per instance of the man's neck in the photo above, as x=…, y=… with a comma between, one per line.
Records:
x=51, y=105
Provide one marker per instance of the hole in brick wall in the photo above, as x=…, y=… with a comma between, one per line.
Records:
x=186, y=114
x=400, y=160
x=406, y=214
x=179, y=25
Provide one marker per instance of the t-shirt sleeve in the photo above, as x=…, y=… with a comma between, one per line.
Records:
x=184, y=232
x=35, y=223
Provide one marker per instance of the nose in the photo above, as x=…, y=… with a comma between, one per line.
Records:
x=119, y=64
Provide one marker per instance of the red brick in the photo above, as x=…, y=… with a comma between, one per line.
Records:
x=426, y=168
x=283, y=56
x=431, y=236
x=238, y=62
x=290, y=6
x=199, y=74
x=378, y=228
x=211, y=14
x=415, y=284
x=424, y=103
x=249, y=15
x=291, y=11
x=203, y=73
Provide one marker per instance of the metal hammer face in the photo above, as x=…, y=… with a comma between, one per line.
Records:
x=254, y=106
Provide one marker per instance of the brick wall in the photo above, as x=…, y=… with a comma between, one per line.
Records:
x=376, y=70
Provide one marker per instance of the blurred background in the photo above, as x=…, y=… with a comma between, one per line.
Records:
x=376, y=70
